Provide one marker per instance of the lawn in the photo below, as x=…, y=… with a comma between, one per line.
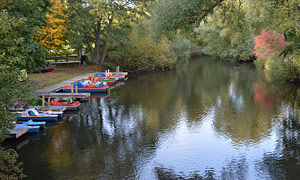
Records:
x=62, y=73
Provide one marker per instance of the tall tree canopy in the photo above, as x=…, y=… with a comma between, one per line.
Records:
x=17, y=42
x=174, y=14
x=19, y=21
x=53, y=33
x=95, y=21
x=231, y=23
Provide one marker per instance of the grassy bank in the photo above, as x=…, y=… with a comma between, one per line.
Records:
x=62, y=73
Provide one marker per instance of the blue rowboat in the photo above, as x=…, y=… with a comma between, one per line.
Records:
x=86, y=87
x=34, y=115
x=39, y=118
x=42, y=124
x=33, y=129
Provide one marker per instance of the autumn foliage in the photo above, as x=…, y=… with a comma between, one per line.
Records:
x=268, y=44
x=53, y=34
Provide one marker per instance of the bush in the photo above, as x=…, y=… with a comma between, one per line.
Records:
x=290, y=68
x=110, y=66
x=268, y=47
x=142, y=53
x=182, y=48
x=269, y=44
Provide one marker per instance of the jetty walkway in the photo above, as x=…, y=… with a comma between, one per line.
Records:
x=51, y=89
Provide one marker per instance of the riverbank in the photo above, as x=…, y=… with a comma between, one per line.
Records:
x=61, y=74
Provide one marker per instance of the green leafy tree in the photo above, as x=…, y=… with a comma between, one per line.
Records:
x=96, y=22
x=9, y=167
x=31, y=14
x=183, y=14
x=19, y=20
x=142, y=53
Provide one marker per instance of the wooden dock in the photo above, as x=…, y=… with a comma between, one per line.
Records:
x=50, y=91
x=17, y=132
x=40, y=108
x=122, y=73
x=63, y=95
x=53, y=88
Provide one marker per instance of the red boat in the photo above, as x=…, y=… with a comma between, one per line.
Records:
x=109, y=81
x=72, y=106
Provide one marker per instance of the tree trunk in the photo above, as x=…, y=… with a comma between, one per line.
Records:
x=110, y=20
x=104, y=52
x=90, y=47
x=97, y=43
x=79, y=54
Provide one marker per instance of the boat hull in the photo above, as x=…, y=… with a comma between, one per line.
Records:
x=41, y=124
x=68, y=89
x=69, y=107
x=33, y=129
x=38, y=118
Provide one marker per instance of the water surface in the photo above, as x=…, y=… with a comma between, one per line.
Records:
x=206, y=120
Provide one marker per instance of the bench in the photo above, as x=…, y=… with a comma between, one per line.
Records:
x=65, y=60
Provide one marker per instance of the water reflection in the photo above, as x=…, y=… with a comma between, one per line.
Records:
x=206, y=120
x=284, y=162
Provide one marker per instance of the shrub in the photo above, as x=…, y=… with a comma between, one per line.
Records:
x=110, y=66
x=269, y=44
x=142, y=53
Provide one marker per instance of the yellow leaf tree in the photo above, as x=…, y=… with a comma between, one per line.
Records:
x=53, y=34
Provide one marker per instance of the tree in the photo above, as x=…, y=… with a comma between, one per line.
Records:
x=183, y=14
x=96, y=21
x=19, y=20
x=31, y=14
x=53, y=34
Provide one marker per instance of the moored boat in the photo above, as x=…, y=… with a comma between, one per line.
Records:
x=41, y=124
x=120, y=77
x=86, y=87
x=109, y=81
x=50, y=112
x=108, y=75
x=34, y=115
x=71, y=106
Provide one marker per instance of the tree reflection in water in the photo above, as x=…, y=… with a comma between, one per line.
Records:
x=236, y=169
x=284, y=163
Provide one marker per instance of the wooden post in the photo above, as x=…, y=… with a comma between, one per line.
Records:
x=76, y=86
x=118, y=69
x=48, y=100
x=72, y=91
x=43, y=102
x=72, y=88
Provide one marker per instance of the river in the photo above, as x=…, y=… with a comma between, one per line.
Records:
x=206, y=120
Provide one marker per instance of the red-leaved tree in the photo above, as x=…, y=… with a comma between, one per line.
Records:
x=268, y=44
